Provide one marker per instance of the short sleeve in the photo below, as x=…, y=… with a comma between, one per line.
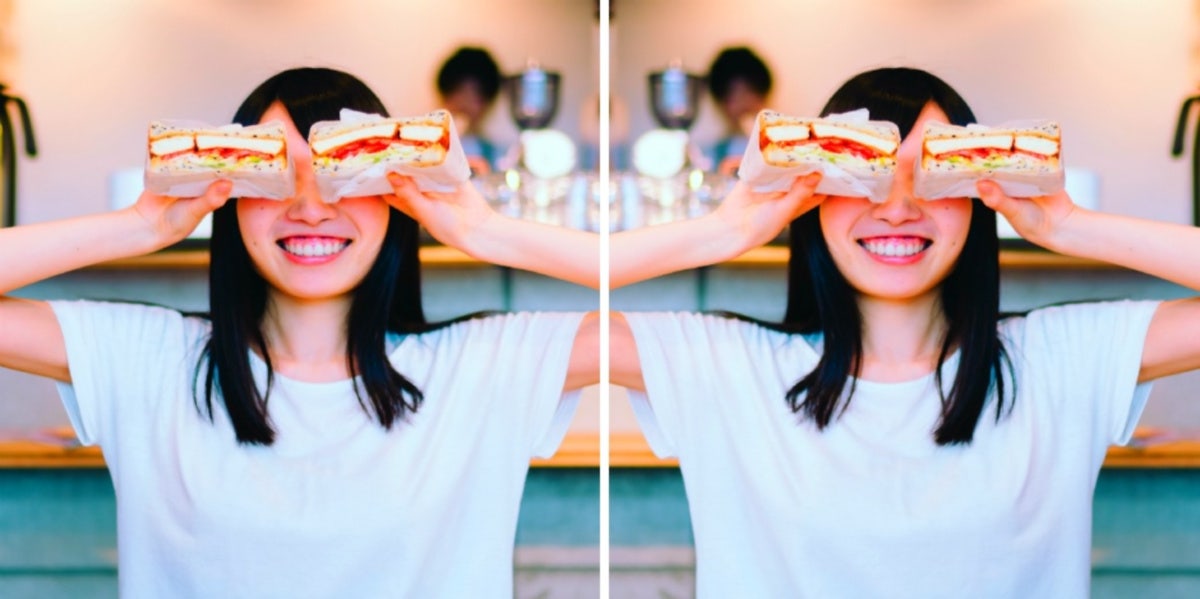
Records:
x=697, y=368
x=1094, y=351
x=519, y=361
x=118, y=356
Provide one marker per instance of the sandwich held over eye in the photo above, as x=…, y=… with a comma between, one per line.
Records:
x=1024, y=160
x=181, y=160
x=341, y=147
x=855, y=155
x=863, y=149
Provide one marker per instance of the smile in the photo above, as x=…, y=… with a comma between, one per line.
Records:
x=895, y=247
x=313, y=247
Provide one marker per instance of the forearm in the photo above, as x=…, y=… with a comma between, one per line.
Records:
x=649, y=252
x=1165, y=250
x=31, y=253
x=558, y=252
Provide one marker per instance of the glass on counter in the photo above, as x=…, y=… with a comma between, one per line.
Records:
x=577, y=199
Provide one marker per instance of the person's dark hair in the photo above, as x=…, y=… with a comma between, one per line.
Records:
x=820, y=300
x=738, y=63
x=470, y=64
x=388, y=299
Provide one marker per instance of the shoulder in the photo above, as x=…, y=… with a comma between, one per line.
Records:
x=119, y=316
x=493, y=328
x=1082, y=317
x=710, y=330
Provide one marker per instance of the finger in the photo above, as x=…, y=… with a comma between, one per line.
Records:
x=802, y=188
x=214, y=196
x=993, y=197
x=403, y=185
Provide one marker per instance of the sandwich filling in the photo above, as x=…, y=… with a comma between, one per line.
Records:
x=384, y=142
x=796, y=142
x=990, y=151
x=217, y=151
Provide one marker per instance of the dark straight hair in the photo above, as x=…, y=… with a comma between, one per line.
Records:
x=387, y=299
x=820, y=300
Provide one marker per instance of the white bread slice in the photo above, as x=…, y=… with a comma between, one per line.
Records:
x=872, y=137
x=939, y=146
x=172, y=144
x=262, y=145
x=1037, y=144
x=426, y=133
x=330, y=138
x=786, y=133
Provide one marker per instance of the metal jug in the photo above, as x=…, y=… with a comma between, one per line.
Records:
x=8, y=154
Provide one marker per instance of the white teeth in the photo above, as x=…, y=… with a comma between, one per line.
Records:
x=893, y=247
x=314, y=248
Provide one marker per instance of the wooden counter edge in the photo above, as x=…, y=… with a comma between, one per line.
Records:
x=433, y=255
x=763, y=257
x=582, y=450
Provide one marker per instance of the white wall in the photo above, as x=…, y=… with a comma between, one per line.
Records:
x=95, y=72
x=1113, y=72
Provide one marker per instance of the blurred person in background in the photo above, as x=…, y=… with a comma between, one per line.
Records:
x=739, y=81
x=468, y=83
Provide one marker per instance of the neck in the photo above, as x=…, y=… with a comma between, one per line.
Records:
x=901, y=339
x=307, y=339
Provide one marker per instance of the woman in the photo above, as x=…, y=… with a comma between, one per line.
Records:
x=315, y=437
x=894, y=436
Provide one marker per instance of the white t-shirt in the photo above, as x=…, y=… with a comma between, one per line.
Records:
x=871, y=506
x=337, y=506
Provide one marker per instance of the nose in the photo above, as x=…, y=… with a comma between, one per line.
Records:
x=307, y=206
x=899, y=207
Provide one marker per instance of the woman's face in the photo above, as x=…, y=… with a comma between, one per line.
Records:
x=304, y=247
x=902, y=248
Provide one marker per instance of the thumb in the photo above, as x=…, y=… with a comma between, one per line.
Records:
x=214, y=197
x=803, y=188
x=806, y=185
x=993, y=197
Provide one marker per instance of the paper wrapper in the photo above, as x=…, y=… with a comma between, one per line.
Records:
x=834, y=181
x=446, y=176
x=187, y=184
x=931, y=185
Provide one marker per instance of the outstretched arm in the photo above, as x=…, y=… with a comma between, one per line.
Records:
x=1164, y=250
x=745, y=220
x=462, y=219
x=30, y=338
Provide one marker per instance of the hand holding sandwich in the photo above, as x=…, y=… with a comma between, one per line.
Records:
x=451, y=217
x=171, y=219
x=759, y=217
x=1037, y=219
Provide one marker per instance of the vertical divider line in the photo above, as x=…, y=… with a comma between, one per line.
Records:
x=604, y=216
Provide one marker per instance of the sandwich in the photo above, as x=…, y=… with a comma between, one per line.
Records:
x=191, y=153
x=975, y=149
x=864, y=149
x=342, y=148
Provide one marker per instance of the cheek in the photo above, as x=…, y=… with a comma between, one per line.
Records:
x=254, y=221
x=370, y=214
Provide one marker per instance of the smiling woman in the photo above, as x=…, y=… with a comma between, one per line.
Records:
x=315, y=407
x=896, y=435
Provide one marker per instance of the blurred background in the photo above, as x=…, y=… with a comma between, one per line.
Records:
x=93, y=74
